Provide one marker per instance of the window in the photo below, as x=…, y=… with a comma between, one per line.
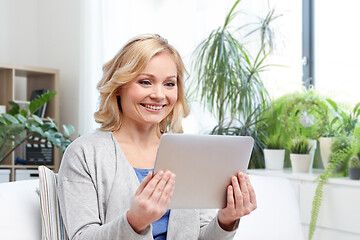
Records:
x=335, y=48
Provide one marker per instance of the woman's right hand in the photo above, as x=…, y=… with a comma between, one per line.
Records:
x=151, y=200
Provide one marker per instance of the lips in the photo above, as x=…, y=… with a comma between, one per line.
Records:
x=153, y=107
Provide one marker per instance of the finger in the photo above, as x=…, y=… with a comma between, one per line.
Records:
x=168, y=192
x=230, y=197
x=251, y=191
x=150, y=186
x=143, y=183
x=156, y=194
x=238, y=196
x=244, y=188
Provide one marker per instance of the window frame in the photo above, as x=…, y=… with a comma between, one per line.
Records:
x=308, y=43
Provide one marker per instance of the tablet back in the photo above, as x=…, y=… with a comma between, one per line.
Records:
x=203, y=165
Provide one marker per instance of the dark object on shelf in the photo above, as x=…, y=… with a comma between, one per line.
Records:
x=20, y=161
x=354, y=173
x=36, y=94
x=39, y=152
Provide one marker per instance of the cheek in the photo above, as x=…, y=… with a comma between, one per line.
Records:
x=173, y=97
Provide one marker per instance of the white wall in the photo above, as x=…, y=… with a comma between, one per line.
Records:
x=19, y=32
x=45, y=34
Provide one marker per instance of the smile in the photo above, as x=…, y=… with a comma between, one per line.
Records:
x=153, y=107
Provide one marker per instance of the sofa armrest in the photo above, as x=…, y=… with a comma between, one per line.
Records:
x=20, y=210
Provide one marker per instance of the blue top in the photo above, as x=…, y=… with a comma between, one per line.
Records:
x=159, y=228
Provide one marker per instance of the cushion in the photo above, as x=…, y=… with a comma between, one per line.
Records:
x=52, y=224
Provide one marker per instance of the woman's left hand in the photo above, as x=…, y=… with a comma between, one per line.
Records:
x=241, y=201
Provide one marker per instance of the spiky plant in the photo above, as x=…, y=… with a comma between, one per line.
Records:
x=300, y=146
x=275, y=142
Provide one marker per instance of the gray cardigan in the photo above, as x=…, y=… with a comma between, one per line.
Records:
x=96, y=185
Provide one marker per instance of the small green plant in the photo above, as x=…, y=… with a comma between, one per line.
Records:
x=18, y=125
x=354, y=162
x=300, y=146
x=275, y=142
x=338, y=158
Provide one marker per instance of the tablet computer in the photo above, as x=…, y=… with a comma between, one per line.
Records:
x=203, y=165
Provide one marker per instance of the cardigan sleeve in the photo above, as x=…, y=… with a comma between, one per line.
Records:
x=79, y=200
x=210, y=228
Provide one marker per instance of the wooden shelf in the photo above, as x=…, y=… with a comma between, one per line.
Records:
x=6, y=166
x=16, y=83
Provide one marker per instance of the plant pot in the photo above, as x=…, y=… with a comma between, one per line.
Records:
x=325, y=150
x=354, y=173
x=274, y=159
x=300, y=162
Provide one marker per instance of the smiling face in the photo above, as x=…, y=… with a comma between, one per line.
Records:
x=151, y=96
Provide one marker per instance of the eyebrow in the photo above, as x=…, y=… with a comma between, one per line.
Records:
x=150, y=75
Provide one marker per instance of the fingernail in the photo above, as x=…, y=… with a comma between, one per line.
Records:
x=161, y=173
x=241, y=175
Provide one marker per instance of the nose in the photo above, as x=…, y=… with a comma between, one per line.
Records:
x=157, y=92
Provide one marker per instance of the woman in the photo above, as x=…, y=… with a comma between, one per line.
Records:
x=105, y=184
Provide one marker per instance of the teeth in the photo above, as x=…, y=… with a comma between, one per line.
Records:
x=153, y=107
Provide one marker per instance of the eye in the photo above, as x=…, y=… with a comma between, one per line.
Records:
x=144, y=82
x=170, y=84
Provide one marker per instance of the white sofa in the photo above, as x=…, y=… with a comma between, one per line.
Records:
x=277, y=216
x=20, y=217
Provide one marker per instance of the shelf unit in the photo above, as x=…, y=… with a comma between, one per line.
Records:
x=16, y=83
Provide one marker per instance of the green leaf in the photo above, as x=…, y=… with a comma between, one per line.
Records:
x=37, y=119
x=21, y=118
x=38, y=130
x=52, y=124
x=15, y=108
x=332, y=103
x=68, y=130
x=2, y=119
x=23, y=112
x=38, y=102
x=10, y=118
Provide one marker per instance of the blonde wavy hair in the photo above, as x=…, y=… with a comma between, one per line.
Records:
x=129, y=63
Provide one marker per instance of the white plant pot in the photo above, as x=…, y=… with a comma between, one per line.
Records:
x=274, y=159
x=300, y=162
x=325, y=150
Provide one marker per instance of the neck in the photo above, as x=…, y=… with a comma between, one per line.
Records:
x=138, y=135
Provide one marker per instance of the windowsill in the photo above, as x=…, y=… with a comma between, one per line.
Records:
x=311, y=176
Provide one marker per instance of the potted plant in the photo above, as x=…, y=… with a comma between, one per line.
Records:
x=339, y=122
x=18, y=125
x=303, y=114
x=300, y=156
x=227, y=79
x=354, y=168
x=274, y=153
